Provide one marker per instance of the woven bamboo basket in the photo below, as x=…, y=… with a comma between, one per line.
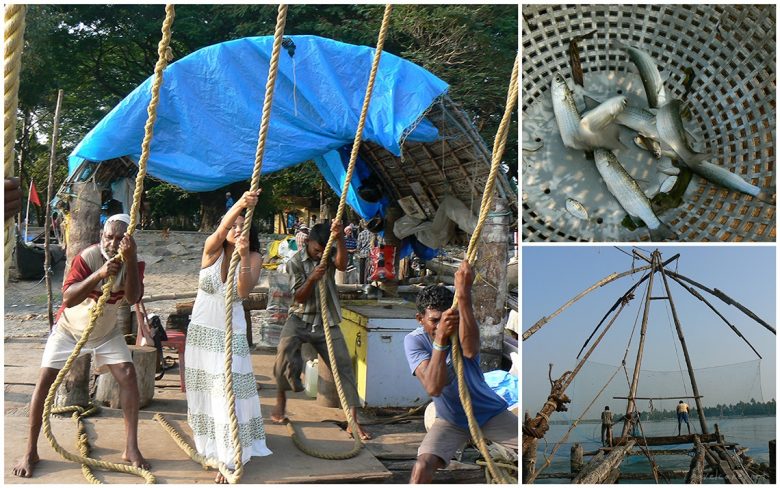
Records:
x=731, y=52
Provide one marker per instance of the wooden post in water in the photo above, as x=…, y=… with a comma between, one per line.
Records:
x=772, y=462
x=694, y=386
x=529, y=461
x=640, y=350
x=577, y=454
x=46, y=226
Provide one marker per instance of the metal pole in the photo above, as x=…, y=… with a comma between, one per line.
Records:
x=699, y=406
x=50, y=189
x=640, y=350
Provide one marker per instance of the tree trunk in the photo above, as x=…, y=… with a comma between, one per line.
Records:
x=212, y=208
x=489, y=299
x=83, y=231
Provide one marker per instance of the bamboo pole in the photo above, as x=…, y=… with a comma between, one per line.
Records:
x=549, y=407
x=724, y=298
x=608, y=279
x=50, y=189
x=732, y=326
x=640, y=350
x=689, y=365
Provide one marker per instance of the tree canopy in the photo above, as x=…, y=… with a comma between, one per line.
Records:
x=99, y=53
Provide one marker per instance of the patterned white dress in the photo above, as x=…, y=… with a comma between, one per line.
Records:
x=207, y=407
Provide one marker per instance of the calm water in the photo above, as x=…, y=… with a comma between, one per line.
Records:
x=753, y=433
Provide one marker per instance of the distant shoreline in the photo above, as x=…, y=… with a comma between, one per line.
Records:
x=671, y=419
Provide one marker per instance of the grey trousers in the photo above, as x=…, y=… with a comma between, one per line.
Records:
x=289, y=362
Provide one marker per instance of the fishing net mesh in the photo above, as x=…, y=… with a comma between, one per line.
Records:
x=719, y=386
x=731, y=52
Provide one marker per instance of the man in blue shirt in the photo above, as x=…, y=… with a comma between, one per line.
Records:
x=428, y=352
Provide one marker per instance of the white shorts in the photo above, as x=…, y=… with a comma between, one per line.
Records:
x=106, y=350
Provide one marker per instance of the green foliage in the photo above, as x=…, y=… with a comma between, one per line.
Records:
x=740, y=409
x=166, y=199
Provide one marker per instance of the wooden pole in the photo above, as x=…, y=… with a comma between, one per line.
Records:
x=726, y=299
x=529, y=461
x=49, y=191
x=598, y=471
x=490, y=301
x=732, y=326
x=27, y=214
x=696, y=470
x=608, y=279
x=689, y=365
x=640, y=350
x=576, y=458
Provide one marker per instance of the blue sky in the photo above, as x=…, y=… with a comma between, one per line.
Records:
x=553, y=275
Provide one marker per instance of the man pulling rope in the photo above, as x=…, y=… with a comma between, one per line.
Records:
x=80, y=292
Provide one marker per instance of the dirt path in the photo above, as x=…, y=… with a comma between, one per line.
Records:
x=172, y=265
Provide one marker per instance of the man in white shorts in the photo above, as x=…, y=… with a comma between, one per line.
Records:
x=428, y=352
x=80, y=292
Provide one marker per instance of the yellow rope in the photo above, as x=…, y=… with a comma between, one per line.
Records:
x=13, y=40
x=321, y=287
x=471, y=254
x=234, y=476
x=97, y=311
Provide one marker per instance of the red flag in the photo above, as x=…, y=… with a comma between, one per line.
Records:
x=34, y=195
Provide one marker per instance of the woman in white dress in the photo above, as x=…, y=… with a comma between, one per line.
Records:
x=207, y=407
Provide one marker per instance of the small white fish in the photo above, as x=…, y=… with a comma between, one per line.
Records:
x=725, y=178
x=648, y=72
x=628, y=193
x=672, y=132
x=593, y=130
x=576, y=209
x=668, y=184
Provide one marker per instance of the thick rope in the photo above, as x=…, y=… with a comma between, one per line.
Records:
x=13, y=40
x=321, y=286
x=471, y=254
x=234, y=476
x=255, y=184
x=97, y=311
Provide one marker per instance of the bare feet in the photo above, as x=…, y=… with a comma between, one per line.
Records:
x=277, y=415
x=364, y=434
x=24, y=466
x=136, y=459
x=220, y=480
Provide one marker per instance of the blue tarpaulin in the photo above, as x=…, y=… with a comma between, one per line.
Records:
x=211, y=103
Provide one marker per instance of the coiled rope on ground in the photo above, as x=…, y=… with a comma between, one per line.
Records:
x=97, y=311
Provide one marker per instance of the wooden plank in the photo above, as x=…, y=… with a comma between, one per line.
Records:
x=172, y=466
x=656, y=452
x=598, y=471
x=668, y=440
x=671, y=474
